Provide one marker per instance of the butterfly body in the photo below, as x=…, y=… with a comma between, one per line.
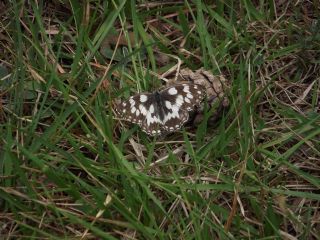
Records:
x=158, y=103
x=165, y=110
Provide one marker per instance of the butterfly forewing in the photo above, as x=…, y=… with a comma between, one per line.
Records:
x=184, y=96
x=141, y=109
x=178, y=100
x=135, y=108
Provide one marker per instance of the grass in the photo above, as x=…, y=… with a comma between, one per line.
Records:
x=70, y=169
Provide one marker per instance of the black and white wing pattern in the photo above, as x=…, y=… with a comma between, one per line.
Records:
x=166, y=110
x=178, y=101
x=141, y=109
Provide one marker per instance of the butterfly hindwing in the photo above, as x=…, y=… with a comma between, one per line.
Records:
x=171, y=124
x=151, y=125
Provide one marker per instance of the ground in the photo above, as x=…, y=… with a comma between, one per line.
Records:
x=70, y=168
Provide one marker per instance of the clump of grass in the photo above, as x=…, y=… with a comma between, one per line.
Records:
x=70, y=169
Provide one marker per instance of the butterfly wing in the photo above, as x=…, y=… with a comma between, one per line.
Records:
x=129, y=109
x=184, y=96
x=174, y=122
x=151, y=125
x=141, y=109
x=177, y=101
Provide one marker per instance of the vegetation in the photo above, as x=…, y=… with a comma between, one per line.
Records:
x=70, y=169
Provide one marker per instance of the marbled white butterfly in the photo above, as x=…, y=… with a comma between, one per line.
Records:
x=165, y=110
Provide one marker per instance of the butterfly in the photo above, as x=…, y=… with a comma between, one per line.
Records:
x=162, y=111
